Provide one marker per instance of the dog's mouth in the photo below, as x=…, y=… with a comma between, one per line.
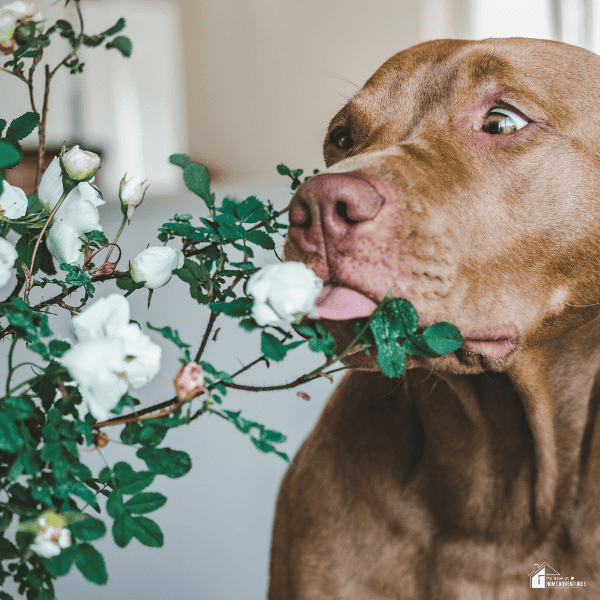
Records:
x=339, y=303
x=492, y=343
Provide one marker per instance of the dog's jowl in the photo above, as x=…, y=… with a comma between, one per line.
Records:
x=466, y=177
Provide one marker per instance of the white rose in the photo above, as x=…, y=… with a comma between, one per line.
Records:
x=154, y=266
x=21, y=8
x=8, y=255
x=77, y=214
x=78, y=164
x=111, y=358
x=283, y=293
x=13, y=202
x=8, y=24
x=51, y=540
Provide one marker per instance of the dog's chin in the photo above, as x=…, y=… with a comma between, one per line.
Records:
x=461, y=362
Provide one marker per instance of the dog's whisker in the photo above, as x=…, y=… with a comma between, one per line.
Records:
x=340, y=77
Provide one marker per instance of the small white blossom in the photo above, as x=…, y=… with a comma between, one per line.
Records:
x=8, y=24
x=77, y=214
x=8, y=255
x=283, y=293
x=131, y=193
x=13, y=202
x=22, y=9
x=154, y=266
x=52, y=540
x=112, y=356
x=79, y=164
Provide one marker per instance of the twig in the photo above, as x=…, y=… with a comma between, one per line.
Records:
x=142, y=415
x=211, y=322
x=42, y=130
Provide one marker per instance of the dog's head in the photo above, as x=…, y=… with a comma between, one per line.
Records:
x=465, y=175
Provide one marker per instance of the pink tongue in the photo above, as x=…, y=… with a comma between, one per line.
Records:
x=340, y=304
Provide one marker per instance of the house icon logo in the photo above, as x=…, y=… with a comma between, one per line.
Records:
x=537, y=578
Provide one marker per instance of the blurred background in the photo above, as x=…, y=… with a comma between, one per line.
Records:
x=241, y=85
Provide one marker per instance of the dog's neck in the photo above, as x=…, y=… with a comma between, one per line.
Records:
x=509, y=456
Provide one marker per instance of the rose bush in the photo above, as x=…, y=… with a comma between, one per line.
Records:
x=69, y=393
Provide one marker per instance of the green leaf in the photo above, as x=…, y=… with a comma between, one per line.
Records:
x=22, y=126
x=10, y=438
x=260, y=238
x=239, y=307
x=147, y=532
x=270, y=435
x=88, y=529
x=58, y=347
x=145, y=502
x=172, y=463
x=91, y=564
x=262, y=445
x=197, y=180
x=2, y=125
x=396, y=319
x=59, y=566
x=181, y=160
x=271, y=347
x=170, y=334
x=20, y=409
x=135, y=482
x=114, y=505
x=8, y=550
x=129, y=285
x=443, y=338
x=283, y=170
x=122, y=530
x=116, y=28
x=392, y=359
x=10, y=155
x=121, y=43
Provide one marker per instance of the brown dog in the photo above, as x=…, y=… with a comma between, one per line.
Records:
x=465, y=174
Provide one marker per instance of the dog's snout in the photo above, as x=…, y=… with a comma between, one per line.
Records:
x=331, y=206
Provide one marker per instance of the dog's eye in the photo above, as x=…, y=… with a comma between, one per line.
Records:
x=342, y=139
x=500, y=120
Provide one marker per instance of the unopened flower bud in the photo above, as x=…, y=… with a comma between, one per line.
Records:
x=189, y=382
x=154, y=266
x=79, y=165
x=100, y=439
x=131, y=194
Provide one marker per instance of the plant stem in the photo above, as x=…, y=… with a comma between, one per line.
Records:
x=117, y=237
x=42, y=130
x=41, y=236
x=211, y=322
x=10, y=361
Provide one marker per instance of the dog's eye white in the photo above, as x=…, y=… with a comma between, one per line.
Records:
x=500, y=120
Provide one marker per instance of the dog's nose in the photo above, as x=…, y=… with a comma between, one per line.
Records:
x=332, y=206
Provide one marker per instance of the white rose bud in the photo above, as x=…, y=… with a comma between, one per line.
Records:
x=283, y=293
x=131, y=194
x=79, y=165
x=8, y=255
x=155, y=265
x=13, y=202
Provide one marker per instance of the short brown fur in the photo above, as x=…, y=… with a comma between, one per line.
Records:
x=452, y=482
